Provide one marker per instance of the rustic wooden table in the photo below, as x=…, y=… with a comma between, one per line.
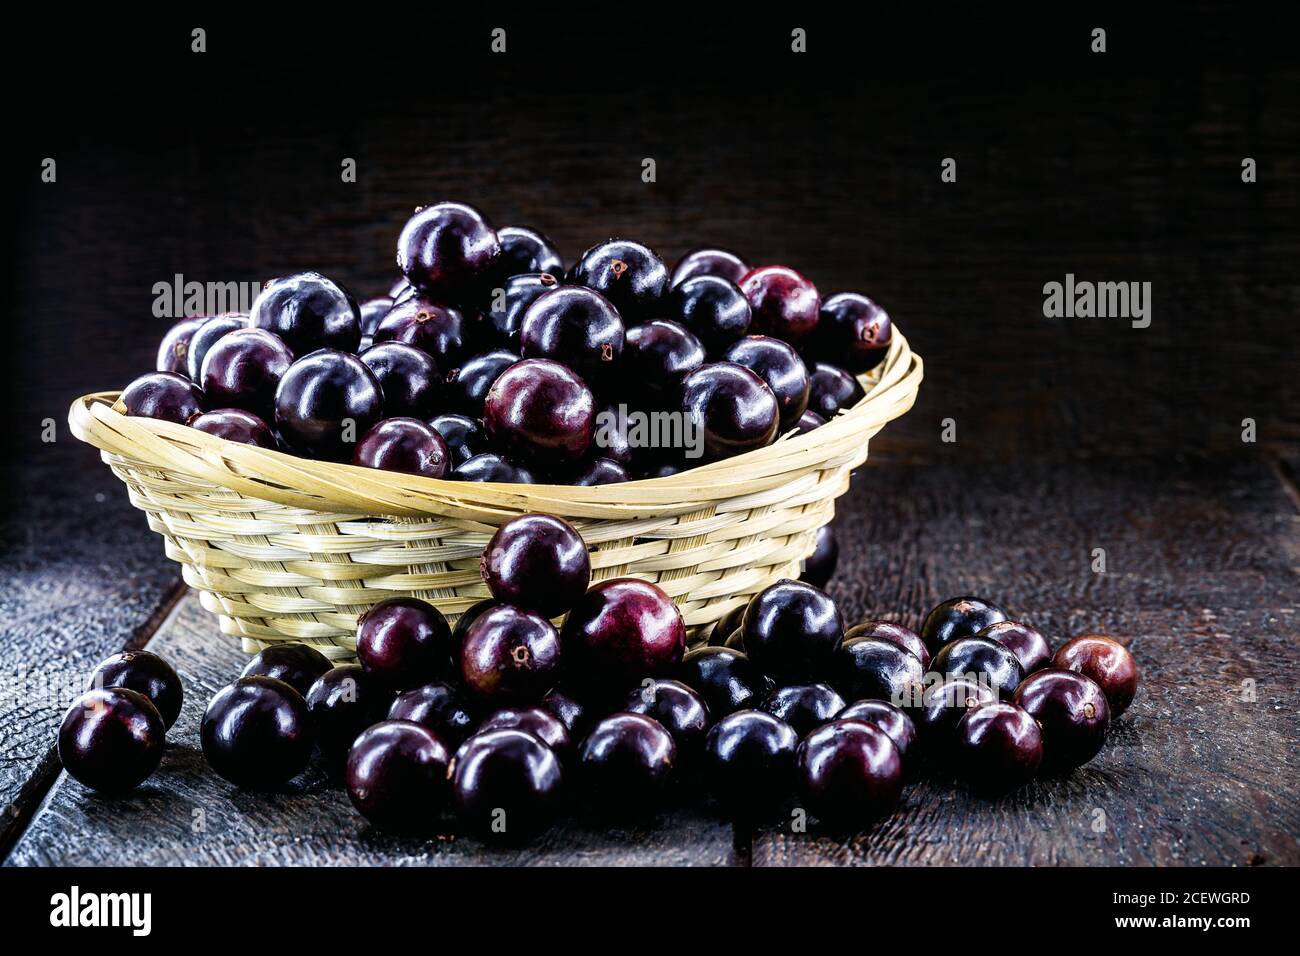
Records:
x=1200, y=581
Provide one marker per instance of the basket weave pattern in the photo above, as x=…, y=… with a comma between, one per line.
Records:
x=283, y=548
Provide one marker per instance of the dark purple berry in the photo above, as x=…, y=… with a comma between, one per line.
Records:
x=749, y=762
x=243, y=370
x=510, y=656
x=575, y=326
x=732, y=408
x=448, y=250
x=111, y=739
x=467, y=386
x=657, y=356
x=464, y=436
x=793, y=631
x=410, y=379
x=163, y=395
x=808, y=421
x=397, y=776
x=439, y=331
x=780, y=367
x=440, y=707
x=709, y=262
x=145, y=673
x=174, y=349
x=309, y=312
x=628, y=274
x=407, y=445
x=208, y=334
x=506, y=785
x=538, y=721
x=537, y=562
x=958, y=617
x=507, y=308
x=850, y=773
x=1029, y=646
x=853, y=332
x=404, y=642
x=819, y=567
x=325, y=402
x=998, y=747
x=1104, y=661
x=892, y=720
x=680, y=709
x=626, y=761
x=784, y=302
x=623, y=630
x=257, y=733
x=343, y=702
x=831, y=389
x=804, y=706
x=602, y=471
x=875, y=669
x=525, y=250
x=541, y=412
x=489, y=466
x=726, y=678
x=981, y=659
x=712, y=308
x=943, y=704
x=1072, y=712
x=298, y=665
x=904, y=637
x=237, y=425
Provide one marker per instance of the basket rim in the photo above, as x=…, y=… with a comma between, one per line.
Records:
x=346, y=489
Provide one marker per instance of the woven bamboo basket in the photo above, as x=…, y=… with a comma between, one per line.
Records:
x=287, y=549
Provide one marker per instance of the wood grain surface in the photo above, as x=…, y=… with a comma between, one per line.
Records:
x=1201, y=584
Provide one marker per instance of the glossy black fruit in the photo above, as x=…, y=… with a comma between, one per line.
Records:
x=780, y=367
x=448, y=250
x=712, y=308
x=467, y=386
x=626, y=761
x=875, y=669
x=404, y=642
x=538, y=721
x=325, y=402
x=257, y=733
x=243, y=370
x=628, y=274
x=537, y=562
x=958, y=617
x=749, y=762
x=680, y=709
x=819, y=567
x=830, y=389
x=343, y=702
x=371, y=313
x=983, y=660
x=111, y=739
x=506, y=785
x=726, y=678
x=298, y=665
x=892, y=720
x=1030, y=647
x=441, y=707
x=207, y=335
x=623, y=630
x=804, y=706
x=727, y=624
x=506, y=310
x=489, y=466
x=568, y=708
x=464, y=436
x=542, y=413
x=409, y=378
x=437, y=330
x=853, y=332
x=657, y=356
x=397, y=776
x=525, y=250
x=235, y=424
x=403, y=444
x=943, y=703
x=998, y=747
x=163, y=395
x=144, y=673
x=174, y=349
x=468, y=617
x=808, y=421
x=1072, y=712
x=793, y=631
x=309, y=312
x=602, y=471
x=849, y=773
x=576, y=326
x=784, y=302
x=732, y=408
x=709, y=262
x=904, y=637
x=510, y=656
x=1104, y=661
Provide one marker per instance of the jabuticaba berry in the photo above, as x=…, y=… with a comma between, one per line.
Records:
x=526, y=250
x=998, y=747
x=1029, y=645
x=709, y=262
x=449, y=251
x=784, y=303
x=628, y=274
x=538, y=562
x=849, y=773
x=793, y=631
x=852, y=331
x=1072, y=712
x=1104, y=661
x=309, y=312
x=958, y=617
x=982, y=658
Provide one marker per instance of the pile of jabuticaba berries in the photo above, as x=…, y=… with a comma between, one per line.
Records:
x=489, y=361
x=508, y=720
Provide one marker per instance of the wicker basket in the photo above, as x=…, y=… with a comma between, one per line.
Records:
x=283, y=548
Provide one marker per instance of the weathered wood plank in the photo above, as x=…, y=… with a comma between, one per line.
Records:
x=185, y=814
x=80, y=577
x=1201, y=582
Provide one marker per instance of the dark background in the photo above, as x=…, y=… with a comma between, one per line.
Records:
x=1123, y=166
